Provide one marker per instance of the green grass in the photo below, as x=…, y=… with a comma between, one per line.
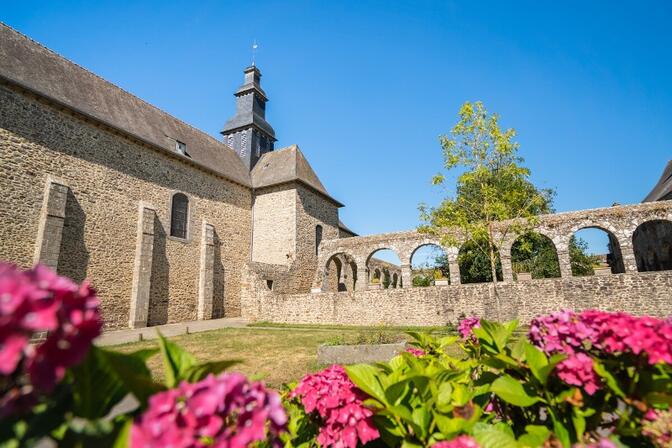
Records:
x=431, y=329
x=275, y=354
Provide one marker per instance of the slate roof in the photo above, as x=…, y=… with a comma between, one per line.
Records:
x=346, y=228
x=663, y=189
x=34, y=67
x=287, y=165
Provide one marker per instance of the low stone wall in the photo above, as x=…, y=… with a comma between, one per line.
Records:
x=637, y=293
x=355, y=354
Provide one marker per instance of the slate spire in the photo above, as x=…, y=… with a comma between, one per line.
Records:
x=248, y=132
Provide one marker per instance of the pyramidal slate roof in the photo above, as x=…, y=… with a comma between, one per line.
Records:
x=34, y=67
x=287, y=165
x=663, y=189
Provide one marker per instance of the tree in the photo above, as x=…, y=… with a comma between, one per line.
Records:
x=494, y=197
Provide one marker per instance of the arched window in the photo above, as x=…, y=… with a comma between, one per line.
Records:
x=179, y=212
x=318, y=237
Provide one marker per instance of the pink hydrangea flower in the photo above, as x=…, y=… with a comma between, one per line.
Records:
x=415, y=351
x=577, y=370
x=604, y=333
x=226, y=411
x=457, y=442
x=338, y=402
x=466, y=326
x=38, y=301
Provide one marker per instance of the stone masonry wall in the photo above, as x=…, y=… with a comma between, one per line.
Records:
x=638, y=293
x=108, y=176
x=312, y=210
x=274, y=239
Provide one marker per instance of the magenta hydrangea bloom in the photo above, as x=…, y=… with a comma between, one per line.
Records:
x=466, y=326
x=604, y=332
x=36, y=302
x=577, y=370
x=457, y=442
x=225, y=411
x=338, y=402
x=415, y=351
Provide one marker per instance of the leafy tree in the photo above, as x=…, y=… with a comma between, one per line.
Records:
x=581, y=262
x=422, y=280
x=536, y=254
x=492, y=186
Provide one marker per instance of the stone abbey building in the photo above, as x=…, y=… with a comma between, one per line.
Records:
x=171, y=224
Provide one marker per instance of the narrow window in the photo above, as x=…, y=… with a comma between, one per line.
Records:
x=178, y=215
x=318, y=237
x=181, y=147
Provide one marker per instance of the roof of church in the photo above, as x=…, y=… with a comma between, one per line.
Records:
x=663, y=189
x=287, y=165
x=342, y=226
x=36, y=68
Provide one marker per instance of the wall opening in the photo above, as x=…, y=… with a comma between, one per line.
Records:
x=595, y=251
x=318, y=238
x=179, y=214
x=340, y=273
x=652, y=244
x=533, y=255
x=429, y=266
x=381, y=266
x=474, y=263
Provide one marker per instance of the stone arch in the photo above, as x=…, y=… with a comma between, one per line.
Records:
x=652, y=245
x=430, y=273
x=376, y=268
x=340, y=273
x=536, y=255
x=613, y=261
x=474, y=265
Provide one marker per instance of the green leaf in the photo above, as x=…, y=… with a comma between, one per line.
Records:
x=535, y=436
x=96, y=387
x=396, y=391
x=443, y=396
x=449, y=426
x=538, y=362
x=421, y=418
x=511, y=390
x=366, y=378
x=176, y=361
x=608, y=378
x=123, y=437
x=196, y=373
x=494, y=436
x=133, y=372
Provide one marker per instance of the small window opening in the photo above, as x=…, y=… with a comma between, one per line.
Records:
x=179, y=215
x=181, y=147
x=269, y=285
x=318, y=238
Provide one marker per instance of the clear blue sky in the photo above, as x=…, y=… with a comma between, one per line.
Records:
x=365, y=88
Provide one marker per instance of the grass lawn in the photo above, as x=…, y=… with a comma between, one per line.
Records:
x=276, y=355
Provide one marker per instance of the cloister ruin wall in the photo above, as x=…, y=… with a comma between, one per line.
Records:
x=644, y=293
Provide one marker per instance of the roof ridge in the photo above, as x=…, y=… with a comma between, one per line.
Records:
x=111, y=83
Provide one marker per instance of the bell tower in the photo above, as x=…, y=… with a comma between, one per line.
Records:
x=248, y=132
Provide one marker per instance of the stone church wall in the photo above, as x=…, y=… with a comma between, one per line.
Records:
x=274, y=240
x=638, y=293
x=107, y=177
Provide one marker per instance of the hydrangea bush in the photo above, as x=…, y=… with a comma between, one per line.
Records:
x=591, y=379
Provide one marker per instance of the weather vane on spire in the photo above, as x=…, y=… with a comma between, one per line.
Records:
x=254, y=50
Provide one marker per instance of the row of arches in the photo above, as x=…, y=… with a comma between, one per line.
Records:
x=532, y=256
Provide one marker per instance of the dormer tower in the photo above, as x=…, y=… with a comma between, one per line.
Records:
x=248, y=132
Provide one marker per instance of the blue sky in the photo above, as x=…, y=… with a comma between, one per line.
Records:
x=365, y=88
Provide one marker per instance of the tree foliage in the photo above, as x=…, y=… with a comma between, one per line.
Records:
x=492, y=186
